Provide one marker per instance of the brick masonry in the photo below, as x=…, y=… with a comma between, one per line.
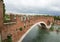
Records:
x=57, y=22
x=13, y=28
x=1, y=15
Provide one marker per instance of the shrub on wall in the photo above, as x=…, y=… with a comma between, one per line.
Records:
x=3, y=10
x=9, y=38
x=6, y=18
x=20, y=28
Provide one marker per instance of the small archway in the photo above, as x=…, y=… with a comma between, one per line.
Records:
x=43, y=26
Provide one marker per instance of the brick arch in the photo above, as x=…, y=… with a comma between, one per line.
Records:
x=39, y=23
x=47, y=26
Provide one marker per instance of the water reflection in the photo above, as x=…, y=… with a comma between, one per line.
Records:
x=42, y=35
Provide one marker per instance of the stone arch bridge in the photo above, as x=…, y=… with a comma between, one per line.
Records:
x=42, y=23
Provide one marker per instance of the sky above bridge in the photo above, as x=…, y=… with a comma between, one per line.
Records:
x=51, y=7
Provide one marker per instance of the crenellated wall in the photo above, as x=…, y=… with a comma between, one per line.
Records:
x=14, y=26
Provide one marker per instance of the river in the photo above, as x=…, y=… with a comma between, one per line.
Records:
x=42, y=35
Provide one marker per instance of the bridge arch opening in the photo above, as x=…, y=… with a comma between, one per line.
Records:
x=38, y=23
x=42, y=23
x=43, y=26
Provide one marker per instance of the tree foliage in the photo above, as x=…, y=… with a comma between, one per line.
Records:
x=56, y=17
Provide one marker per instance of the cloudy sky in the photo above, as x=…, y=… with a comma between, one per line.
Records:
x=51, y=7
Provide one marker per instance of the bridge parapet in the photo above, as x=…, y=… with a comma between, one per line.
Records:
x=48, y=20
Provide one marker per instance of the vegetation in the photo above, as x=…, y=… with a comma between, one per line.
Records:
x=56, y=17
x=9, y=38
x=46, y=15
x=6, y=18
x=52, y=28
x=59, y=28
x=3, y=10
x=20, y=28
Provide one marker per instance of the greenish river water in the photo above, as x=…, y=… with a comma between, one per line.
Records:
x=42, y=35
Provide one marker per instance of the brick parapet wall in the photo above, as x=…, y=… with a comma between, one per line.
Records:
x=14, y=28
x=57, y=22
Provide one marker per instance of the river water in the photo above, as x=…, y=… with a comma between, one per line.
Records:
x=42, y=35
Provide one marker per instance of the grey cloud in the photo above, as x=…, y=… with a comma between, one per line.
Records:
x=18, y=7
